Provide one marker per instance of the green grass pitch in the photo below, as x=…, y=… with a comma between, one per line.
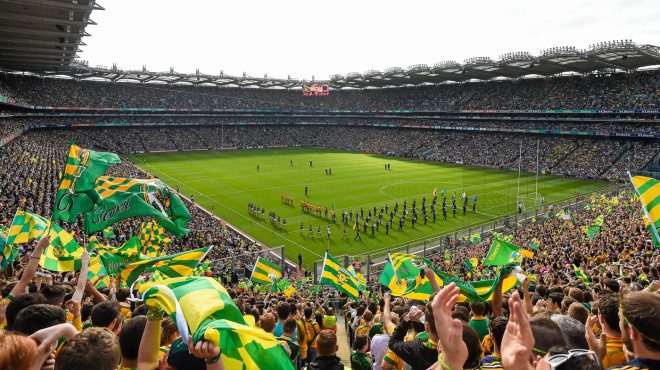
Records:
x=225, y=181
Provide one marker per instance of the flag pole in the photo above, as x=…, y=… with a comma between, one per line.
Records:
x=646, y=212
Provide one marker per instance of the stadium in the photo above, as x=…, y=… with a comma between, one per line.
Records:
x=490, y=211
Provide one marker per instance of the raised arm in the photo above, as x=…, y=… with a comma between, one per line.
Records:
x=497, y=300
x=150, y=342
x=31, y=267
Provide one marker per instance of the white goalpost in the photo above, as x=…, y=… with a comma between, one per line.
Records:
x=523, y=200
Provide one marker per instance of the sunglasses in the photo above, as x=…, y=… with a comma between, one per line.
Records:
x=557, y=360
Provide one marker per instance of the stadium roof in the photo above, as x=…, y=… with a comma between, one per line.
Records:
x=613, y=55
x=42, y=35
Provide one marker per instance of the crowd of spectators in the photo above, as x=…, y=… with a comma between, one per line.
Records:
x=554, y=319
x=612, y=91
x=576, y=156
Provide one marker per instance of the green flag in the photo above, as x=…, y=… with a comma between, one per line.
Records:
x=265, y=271
x=114, y=260
x=76, y=192
x=174, y=265
x=336, y=275
x=535, y=244
x=9, y=253
x=480, y=291
x=109, y=232
x=122, y=198
x=474, y=239
x=447, y=257
x=598, y=221
x=591, y=231
x=500, y=253
x=201, y=307
x=581, y=275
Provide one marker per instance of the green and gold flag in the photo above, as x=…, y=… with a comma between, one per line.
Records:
x=152, y=237
x=9, y=253
x=116, y=259
x=447, y=257
x=648, y=190
x=474, y=239
x=501, y=251
x=581, y=275
x=337, y=276
x=591, y=231
x=360, y=278
x=175, y=265
x=26, y=226
x=63, y=253
x=480, y=291
x=122, y=198
x=97, y=273
x=76, y=192
x=265, y=271
x=202, y=308
x=406, y=278
x=109, y=232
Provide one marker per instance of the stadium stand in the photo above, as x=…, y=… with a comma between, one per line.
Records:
x=581, y=291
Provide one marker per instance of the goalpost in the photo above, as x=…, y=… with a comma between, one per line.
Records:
x=535, y=198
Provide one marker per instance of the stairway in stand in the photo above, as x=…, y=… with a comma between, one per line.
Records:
x=344, y=352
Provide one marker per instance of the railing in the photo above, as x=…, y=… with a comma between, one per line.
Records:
x=371, y=263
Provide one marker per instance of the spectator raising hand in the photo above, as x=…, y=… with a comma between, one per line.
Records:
x=454, y=351
x=518, y=341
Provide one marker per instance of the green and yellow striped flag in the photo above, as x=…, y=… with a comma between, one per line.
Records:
x=265, y=271
x=122, y=198
x=175, y=265
x=581, y=275
x=76, y=193
x=152, y=237
x=336, y=275
x=411, y=281
x=201, y=307
x=648, y=190
x=360, y=278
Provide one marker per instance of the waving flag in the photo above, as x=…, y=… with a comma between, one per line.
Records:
x=336, y=275
x=152, y=237
x=115, y=259
x=175, y=265
x=265, y=271
x=76, y=192
x=360, y=278
x=122, y=198
x=63, y=253
x=648, y=190
x=581, y=275
x=501, y=251
x=201, y=307
x=26, y=226
x=9, y=253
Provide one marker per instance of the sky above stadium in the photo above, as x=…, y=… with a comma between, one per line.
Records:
x=305, y=38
